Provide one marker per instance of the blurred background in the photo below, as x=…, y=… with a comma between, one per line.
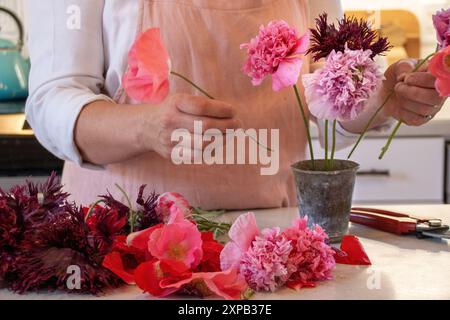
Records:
x=415, y=170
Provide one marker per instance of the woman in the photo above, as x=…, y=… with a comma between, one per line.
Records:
x=80, y=112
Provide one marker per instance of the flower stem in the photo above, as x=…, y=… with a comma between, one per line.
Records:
x=131, y=215
x=400, y=122
x=333, y=146
x=366, y=128
x=192, y=84
x=91, y=209
x=327, y=167
x=306, y=123
x=388, y=143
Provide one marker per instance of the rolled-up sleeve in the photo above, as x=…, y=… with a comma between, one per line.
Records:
x=67, y=69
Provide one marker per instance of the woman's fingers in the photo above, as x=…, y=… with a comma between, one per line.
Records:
x=203, y=107
x=411, y=118
x=420, y=109
x=417, y=94
x=188, y=122
x=420, y=79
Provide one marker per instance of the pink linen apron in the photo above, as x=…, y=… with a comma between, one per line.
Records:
x=203, y=38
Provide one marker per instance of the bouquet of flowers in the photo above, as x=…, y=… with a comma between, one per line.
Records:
x=338, y=91
x=171, y=250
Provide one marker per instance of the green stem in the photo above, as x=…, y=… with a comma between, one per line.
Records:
x=368, y=125
x=388, y=97
x=326, y=146
x=400, y=122
x=91, y=208
x=333, y=146
x=131, y=215
x=388, y=143
x=192, y=84
x=306, y=123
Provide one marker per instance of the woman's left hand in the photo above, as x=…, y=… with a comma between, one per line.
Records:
x=415, y=100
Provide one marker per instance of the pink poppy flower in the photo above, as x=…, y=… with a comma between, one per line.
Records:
x=159, y=279
x=227, y=284
x=147, y=77
x=439, y=66
x=275, y=51
x=242, y=233
x=441, y=22
x=177, y=241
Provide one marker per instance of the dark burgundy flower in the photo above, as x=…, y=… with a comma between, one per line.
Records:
x=104, y=225
x=148, y=216
x=47, y=253
x=351, y=32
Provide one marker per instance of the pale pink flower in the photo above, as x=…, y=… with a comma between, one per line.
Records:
x=275, y=51
x=340, y=90
x=242, y=233
x=311, y=258
x=441, y=21
x=265, y=264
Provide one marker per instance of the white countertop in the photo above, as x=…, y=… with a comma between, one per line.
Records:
x=405, y=267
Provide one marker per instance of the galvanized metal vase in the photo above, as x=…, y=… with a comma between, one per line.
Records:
x=326, y=196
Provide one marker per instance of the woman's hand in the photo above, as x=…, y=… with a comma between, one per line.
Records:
x=179, y=111
x=107, y=133
x=415, y=100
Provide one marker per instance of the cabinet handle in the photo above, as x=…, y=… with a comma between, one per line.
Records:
x=373, y=172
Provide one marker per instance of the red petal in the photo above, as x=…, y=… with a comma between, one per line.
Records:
x=148, y=277
x=352, y=252
x=139, y=240
x=113, y=262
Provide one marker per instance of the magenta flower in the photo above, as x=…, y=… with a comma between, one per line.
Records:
x=311, y=259
x=275, y=51
x=265, y=264
x=339, y=91
x=441, y=22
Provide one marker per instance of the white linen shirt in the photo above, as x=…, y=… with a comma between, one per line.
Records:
x=75, y=62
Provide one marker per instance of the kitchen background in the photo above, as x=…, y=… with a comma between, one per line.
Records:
x=416, y=169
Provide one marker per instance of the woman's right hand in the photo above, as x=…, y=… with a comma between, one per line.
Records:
x=179, y=111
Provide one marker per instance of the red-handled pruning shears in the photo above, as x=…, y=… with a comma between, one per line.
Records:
x=400, y=223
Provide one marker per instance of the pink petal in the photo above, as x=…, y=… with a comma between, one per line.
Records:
x=287, y=74
x=226, y=284
x=304, y=44
x=244, y=230
x=139, y=240
x=230, y=256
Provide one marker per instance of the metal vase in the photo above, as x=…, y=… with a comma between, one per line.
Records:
x=326, y=196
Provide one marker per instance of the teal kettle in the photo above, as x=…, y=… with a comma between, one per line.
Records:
x=14, y=68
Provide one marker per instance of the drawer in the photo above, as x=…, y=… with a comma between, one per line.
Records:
x=411, y=172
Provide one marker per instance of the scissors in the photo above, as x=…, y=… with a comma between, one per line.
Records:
x=400, y=223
